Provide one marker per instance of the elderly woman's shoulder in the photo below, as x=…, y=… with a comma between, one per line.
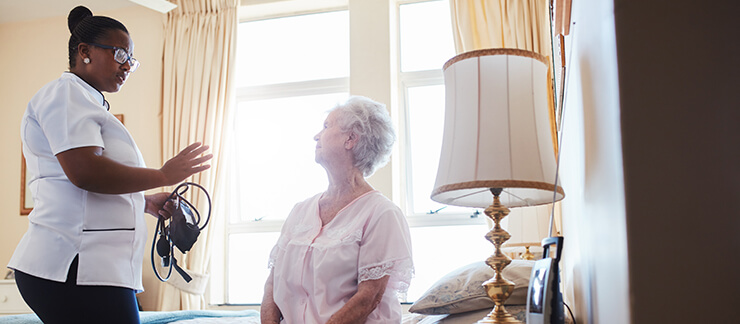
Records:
x=304, y=206
x=379, y=203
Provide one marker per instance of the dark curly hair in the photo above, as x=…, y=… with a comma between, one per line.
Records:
x=86, y=28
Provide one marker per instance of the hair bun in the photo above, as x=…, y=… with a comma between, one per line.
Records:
x=76, y=16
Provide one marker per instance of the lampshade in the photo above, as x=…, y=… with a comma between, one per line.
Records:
x=527, y=226
x=497, y=131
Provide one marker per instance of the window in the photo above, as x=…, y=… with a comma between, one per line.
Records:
x=282, y=98
x=443, y=237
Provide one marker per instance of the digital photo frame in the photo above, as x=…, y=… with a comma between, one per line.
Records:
x=544, y=299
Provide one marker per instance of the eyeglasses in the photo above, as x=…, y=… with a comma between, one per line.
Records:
x=121, y=56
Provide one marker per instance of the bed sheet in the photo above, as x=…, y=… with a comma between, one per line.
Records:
x=221, y=320
x=179, y=317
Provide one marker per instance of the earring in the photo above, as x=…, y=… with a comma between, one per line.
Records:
x=86, y=60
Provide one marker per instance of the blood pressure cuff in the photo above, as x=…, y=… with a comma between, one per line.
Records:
x=183, y=229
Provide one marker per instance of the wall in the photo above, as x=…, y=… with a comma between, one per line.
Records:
x=371, y=67
x=680, y=110
x=34, y=53
x=595, y=266
x=650, y=158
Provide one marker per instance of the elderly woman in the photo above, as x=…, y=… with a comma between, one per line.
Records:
x=343, y=254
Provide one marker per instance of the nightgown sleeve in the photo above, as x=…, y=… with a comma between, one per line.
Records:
x=385, y=249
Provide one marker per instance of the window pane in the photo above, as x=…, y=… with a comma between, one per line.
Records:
x=426, y=125
x=441, y=249
x=248, y=257
x=291, y=49
x=426, y=35
x=275, y=154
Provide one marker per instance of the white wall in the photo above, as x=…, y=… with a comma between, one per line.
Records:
x=650, y=155
x=595, y=246
x=34, y=53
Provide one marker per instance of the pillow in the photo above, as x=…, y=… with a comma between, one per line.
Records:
x=461, y=290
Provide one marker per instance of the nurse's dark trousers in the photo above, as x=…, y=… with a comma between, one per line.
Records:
x=66, y=302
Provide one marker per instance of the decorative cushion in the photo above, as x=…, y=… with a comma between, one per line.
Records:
x=461, y=290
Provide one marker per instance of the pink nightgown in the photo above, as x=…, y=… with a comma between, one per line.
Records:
x=316, y=270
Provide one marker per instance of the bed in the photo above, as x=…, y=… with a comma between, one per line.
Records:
x=459, y=297
x=177, y=317
x=456, y=298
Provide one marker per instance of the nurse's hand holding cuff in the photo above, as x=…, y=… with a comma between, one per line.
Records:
x=158, y=206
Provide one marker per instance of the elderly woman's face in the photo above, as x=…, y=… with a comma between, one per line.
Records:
x=330, y=141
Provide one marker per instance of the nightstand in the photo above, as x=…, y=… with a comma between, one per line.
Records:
x=11, y=301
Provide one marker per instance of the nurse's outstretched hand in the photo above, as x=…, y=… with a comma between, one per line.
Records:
x=186, y=163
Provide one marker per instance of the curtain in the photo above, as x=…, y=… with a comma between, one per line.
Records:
x=199, y=51
x=522, y=24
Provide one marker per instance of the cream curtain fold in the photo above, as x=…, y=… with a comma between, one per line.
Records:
x=199, y=51
x=522, y=24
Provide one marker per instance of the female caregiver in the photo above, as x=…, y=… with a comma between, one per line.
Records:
x=81, y=259
x=343, y=254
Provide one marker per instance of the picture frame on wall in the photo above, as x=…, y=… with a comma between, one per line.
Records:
x=560, y=27
x=26, y=198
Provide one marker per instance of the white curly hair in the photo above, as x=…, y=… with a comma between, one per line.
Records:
x=370, y=121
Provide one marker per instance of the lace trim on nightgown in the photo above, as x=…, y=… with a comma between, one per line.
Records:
x=300, y=228
x=400, y=272
x=352, y=238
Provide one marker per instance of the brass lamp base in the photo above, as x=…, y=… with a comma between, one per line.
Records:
x=527, y=255
x=498, y=288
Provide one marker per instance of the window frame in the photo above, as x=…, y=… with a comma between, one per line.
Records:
x=220, y=295
x=403, y=179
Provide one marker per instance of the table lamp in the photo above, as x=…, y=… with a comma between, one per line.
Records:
x=498, y=147
x=527, y=226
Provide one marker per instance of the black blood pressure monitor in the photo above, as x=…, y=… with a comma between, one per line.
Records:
x=544, y=299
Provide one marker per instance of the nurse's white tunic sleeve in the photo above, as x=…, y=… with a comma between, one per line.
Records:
x=70, y=118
